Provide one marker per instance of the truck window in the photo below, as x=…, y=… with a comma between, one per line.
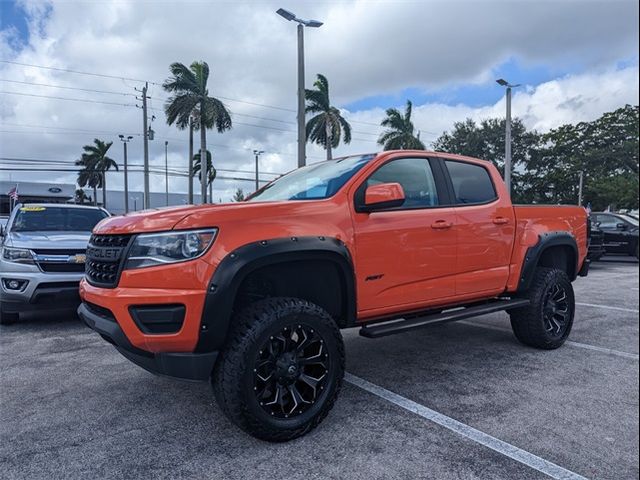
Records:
x=416, y=178
x=471, y=183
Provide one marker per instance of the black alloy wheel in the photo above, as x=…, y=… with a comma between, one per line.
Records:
x=556, y=311
x=290, y=371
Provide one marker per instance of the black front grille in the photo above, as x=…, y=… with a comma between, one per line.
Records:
x=105, y=254
x=62, y=267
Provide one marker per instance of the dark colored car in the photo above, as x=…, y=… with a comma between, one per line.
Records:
x=620, y=232
x=596, y=243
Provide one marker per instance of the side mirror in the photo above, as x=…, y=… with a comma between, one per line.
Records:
x=383, y=196
x=621, y=226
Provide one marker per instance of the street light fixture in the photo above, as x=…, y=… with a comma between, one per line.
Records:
x=507, y=140
x=302, y=141
x=257, y=153
x=126, y=140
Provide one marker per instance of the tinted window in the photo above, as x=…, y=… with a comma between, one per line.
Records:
x=471, y=183
x=31, y=218
x=416, y=178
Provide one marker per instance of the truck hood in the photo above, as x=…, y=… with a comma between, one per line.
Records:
x=48, y=240
x=198, y=216
x=155, y=220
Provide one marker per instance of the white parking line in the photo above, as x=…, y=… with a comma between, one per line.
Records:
x=607, y=307
x=502, y=447
x=586, y=346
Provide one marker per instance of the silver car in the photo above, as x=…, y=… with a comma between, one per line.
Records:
x=43, y=255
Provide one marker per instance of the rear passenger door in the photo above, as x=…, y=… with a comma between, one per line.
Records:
x=406, y=256
x=486, y=226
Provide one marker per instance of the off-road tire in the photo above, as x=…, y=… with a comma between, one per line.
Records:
x=528, y=323
x=233, y=376
x=7, y=318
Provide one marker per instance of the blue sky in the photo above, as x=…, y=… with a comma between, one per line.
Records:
x=12, y=15
x=478, y=94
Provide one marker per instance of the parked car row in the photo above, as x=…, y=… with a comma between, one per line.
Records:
x=613, y=233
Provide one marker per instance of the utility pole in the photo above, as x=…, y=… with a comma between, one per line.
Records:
x=166, y=174
x=146, y=199
x=507, y=135
x=126, y=140
x=257, y=153
x=581, y=172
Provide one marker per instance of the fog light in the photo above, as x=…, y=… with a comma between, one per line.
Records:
x=14, y=284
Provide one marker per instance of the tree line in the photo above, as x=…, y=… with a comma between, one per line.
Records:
x=546, y=166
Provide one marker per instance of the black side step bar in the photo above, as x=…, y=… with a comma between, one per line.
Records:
x=402, y=325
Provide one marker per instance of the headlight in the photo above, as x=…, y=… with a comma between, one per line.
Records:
x=17, y=255
x=170, y=247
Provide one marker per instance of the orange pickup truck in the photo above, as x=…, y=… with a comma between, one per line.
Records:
x=253, y=295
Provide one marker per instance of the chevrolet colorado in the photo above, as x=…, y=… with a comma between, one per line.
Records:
x=42, y=258
x=253, y=295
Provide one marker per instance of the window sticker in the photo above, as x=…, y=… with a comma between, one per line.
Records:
x=32, y=208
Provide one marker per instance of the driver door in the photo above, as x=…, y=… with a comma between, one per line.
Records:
x=405, y=256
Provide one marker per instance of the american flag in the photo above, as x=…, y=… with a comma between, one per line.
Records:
x=13, y=193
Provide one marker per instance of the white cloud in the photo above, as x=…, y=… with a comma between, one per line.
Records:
x=365, y=48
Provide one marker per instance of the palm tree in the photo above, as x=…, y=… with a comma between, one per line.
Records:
x=399, y=135
x=191, y=96
x=96, y=161
x=327, y=127
x=89, y=176
x=211, y=171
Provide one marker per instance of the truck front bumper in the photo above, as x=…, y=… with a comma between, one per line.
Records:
x=182, y=365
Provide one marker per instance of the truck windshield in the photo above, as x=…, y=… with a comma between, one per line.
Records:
x=32, y=218
x=313, y=182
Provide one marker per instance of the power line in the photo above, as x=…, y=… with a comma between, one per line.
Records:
x=69, y=88
x=70, y=99
x=71, y=162
x=264, y=105
x=66, y=70
x=153, y=171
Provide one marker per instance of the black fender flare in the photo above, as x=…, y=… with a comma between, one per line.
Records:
x=532, y=257
x=238, y=264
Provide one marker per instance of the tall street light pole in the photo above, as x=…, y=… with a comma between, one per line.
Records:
x=257, y=153
x=126, y=140
x=302, y=140
x=507, y=135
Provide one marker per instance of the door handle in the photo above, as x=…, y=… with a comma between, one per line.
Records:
x=500, y=221
x=441, y=225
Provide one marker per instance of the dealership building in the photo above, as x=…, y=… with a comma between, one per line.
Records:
x=42, y=192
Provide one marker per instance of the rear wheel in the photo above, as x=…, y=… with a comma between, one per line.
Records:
x=546, y=322
x=281, y=371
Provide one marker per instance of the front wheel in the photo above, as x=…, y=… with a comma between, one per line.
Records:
x=546, y=322
x=281, y=370
x=7, y=318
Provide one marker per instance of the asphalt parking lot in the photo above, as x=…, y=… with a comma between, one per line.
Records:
x=462, y=400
